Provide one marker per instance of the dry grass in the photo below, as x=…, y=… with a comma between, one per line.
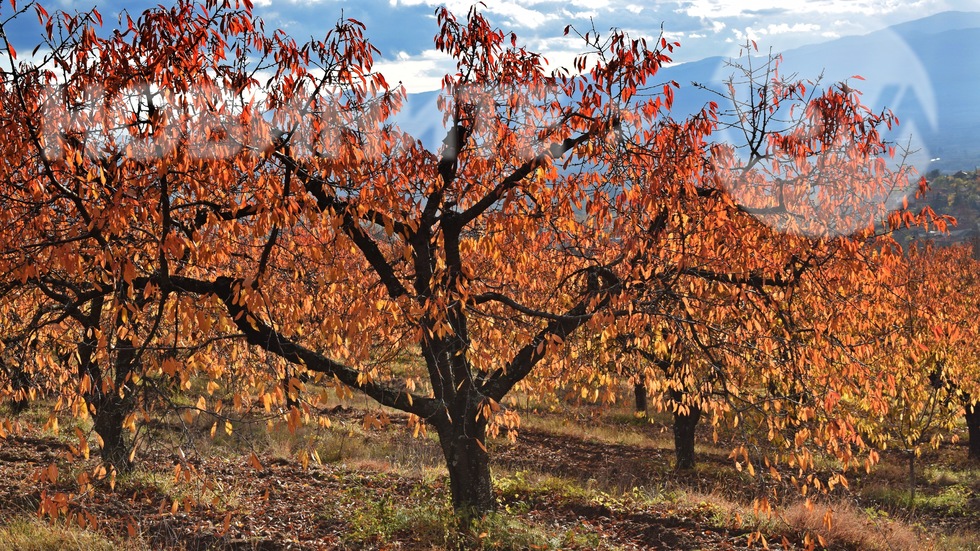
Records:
x=31, y=534
x=616, y=426
x=714, y=492
x=850, y=527
x=961, y=540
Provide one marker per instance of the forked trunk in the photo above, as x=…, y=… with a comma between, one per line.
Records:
x=973, y=428
x=464, y=447
x=685, y=425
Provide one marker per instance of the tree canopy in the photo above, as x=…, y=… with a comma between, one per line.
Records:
x=191, y=196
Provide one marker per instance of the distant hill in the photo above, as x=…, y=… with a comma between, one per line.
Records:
x=926, y=71
x=957, y=195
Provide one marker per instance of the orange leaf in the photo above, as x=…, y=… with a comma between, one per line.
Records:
x=254, y=461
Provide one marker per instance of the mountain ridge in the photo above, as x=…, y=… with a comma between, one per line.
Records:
x=925, y=71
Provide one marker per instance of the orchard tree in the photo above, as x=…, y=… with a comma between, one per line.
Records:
x=959, y=276
x=191, y=163
x=927, y=355
x=320, y=228
x=715, y=304
x=94, y=222
x=479, y=254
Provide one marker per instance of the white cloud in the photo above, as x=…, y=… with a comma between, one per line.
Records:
x=516, y=14
x=593, y=4
x=714, y=25
x=748, y=34
x=418, y=73
x=560, y=51
x=783, y=28
x=736, y=8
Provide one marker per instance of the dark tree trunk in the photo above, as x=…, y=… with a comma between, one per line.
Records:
x=912, y=483
x=973, y=428
x=685, y=425
x=109, y=417
x=20, y=382
x=111, y=408
x=18, y=405
x=640, y=395
x=469, y=468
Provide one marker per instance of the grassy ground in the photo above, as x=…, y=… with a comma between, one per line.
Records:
x=579, y=478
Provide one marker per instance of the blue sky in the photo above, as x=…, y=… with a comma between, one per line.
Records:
x=403, y=29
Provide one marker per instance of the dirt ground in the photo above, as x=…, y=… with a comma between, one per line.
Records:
x=223, y=501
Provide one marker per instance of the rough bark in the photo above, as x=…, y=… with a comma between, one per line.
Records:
x=111, y=412
x=640, y=396
x=685, y=425
x=973, y=428
x=912, y=482
x=463, y=444
x=108, y=395
x=20, y=383
x=109, y=417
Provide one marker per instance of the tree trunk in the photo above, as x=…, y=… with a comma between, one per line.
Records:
x=912, y=479
x=463, y=442
x=640, y=394
x=20, y=383
x=109, y=416
x=973, y=428
x=684, y=429
x=111, y=408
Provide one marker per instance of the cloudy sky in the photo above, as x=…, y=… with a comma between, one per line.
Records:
x=403, y=29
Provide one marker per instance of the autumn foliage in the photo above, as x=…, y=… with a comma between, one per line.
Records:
x=192, y=199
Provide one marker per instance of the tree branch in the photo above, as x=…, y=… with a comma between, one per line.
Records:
x=260, y=334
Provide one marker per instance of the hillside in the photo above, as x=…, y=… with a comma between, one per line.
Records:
x=957, y=195
x=926, y=71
